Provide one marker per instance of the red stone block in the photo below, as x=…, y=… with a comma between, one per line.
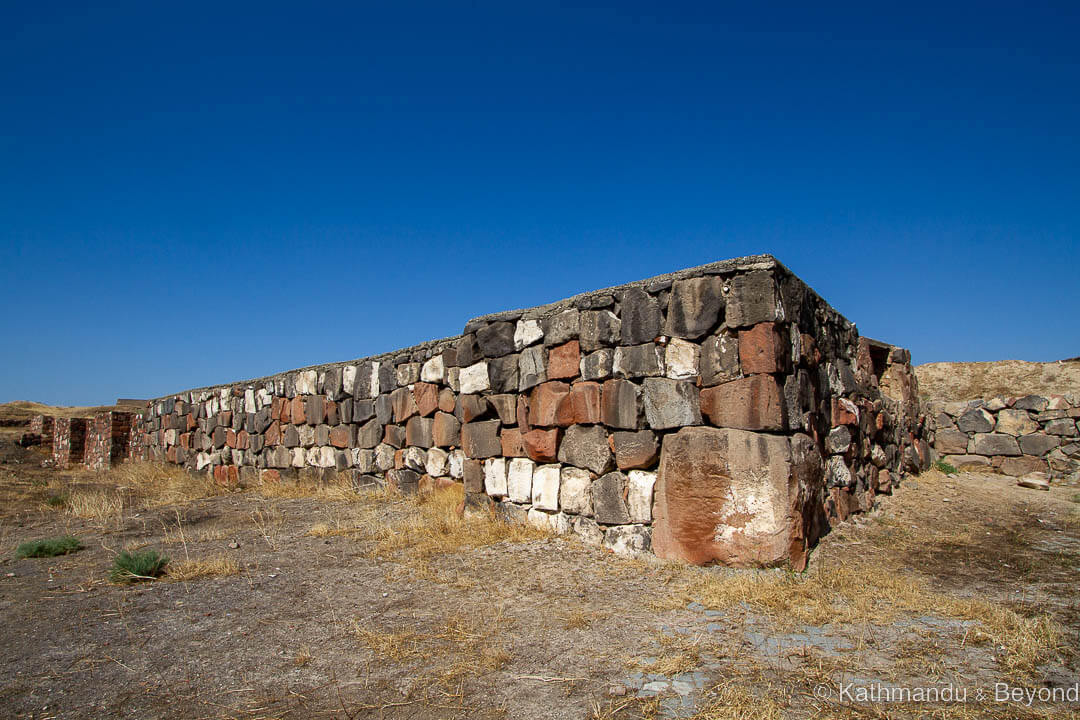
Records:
x=523, y=413
x=299, y=415
x=512, y=444
x=170, y=454
x=340, y=437
x=761, y=350
x=544, y=403
x=191, y=424
x=243, y=440
x=426, y=396
x=447, y=401
x=273, y=433
x=542, y=445
x=230, y=438
x=564, y=361
x=581, y=406
x=185, y=440
x=279, y=409
x=844, y=412
x=270, y=476
x=749, y=403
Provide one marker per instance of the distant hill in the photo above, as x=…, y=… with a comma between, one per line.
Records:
x=20, y=411
x=955, y=381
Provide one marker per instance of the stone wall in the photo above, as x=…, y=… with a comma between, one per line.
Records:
x=722, y=413
x=44, y=427
x=1011, y=435
x=107, y=438
x=69, y=441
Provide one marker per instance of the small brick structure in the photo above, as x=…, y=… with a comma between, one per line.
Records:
x=43, y=426
x=69, y=441
x=107, y=439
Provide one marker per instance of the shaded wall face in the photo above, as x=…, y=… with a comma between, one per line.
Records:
x=562, y=414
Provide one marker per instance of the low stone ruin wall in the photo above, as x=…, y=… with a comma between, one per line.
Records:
x=69, y=441
x=722, y=413
x=1011, y=435
x=107, y=438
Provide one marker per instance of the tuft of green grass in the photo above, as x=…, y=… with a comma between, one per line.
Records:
x=57, y=500
x=48, y=547
x=942, y=466
x=135, y=566
x=1075, y=498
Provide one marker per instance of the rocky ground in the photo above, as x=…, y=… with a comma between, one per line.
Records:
x=287, y=602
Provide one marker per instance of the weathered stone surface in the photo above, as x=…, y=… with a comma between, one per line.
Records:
x=1015, y=422
x=418, y=432
x=719, y=358
x=414, y=458
x=473, y=407
x=587, y=529
x=506, y=407
x=519, y=479
x=447, y=400
x=599, y=328
x=638, y=361
x=639, y=495
x=1061, y=428
x=837, y=473
x=445, y=430
x=694, y=307
x=503, y=373
x=951, y=442
x=342, y=436
x=532, y=367
x=496, y=482
x=561, y=328
x=962, y=461
x=620, y=404
x=839, y=440
x=609, y=499
x=586, y=446
x=640, y=315
x=384, y=409
x=1037, y=445
x=512, y=444
x=752, y=300
x=671, y=403
x=474, y=378
x=597, y=365
x=404, y=480
x=456, y=464
x=545, y=487
x=370, y=434
x=472, y=473
x=1035, y=481
x=467, y=350
x=407, y=373
x=634, y=450
x=681, y=359
x=1017, y=466
x=404, y=404
x=762, y=350
x=1036, y=403
x=749, y=403
x=738, y=498
x=628, y=540
x=544, y=403
x=541, y=445
x=575, y=491
x=433, y=370
x=995, y=444
x=581, y=406
x=564, y=361
x=975, y=420
x=526, y=333
x=496, y=339
x=426, y=397
x=481, y=439
x=384, y=457
x=436, y=463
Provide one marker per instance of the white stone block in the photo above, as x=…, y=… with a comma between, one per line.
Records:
x=495, y=477
x=415, y=458
x=681, y=359
x=519, y=480
x=436, y=462
x=640, y=495
x=433, y=370
x=306, y=382
x=249, y=401
x=526, y=333
x=348, y=379
x=474, y=378
x=575, y=492
x=545, y=487
x=456, y=461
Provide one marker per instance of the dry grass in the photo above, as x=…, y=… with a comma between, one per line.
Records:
x=99, y=504
x=428, y=525
x=950, y=382
x=217, y=566
x=460, y=649
x=340, y=489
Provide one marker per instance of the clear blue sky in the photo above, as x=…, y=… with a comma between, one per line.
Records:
x=199, y=193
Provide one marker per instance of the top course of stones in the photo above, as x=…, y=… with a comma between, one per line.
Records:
x=590, y=300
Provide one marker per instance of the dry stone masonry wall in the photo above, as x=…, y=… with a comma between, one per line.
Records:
x=1011, y=435
x=723, y=413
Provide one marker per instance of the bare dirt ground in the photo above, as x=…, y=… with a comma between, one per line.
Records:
x=961, y=381
x=321, y=602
